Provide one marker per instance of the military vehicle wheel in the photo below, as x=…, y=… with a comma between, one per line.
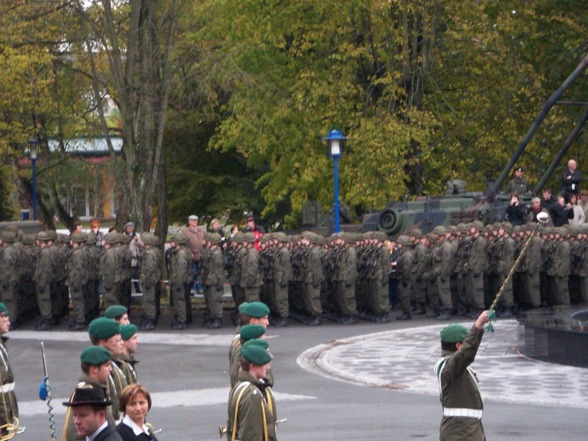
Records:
x=389, y=221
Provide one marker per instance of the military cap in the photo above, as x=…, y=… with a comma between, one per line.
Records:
x=180, y=239
x=417, y=232
x=238, y=237
x=261, y=342
x=439, y=229
x=454, y=333
x=479, y=225
x=95, y=355
x=79, y=237
x=432, y=237
x=8, y=236
x=507, y=226
x=281, y=236
x=127, y=331
x=124, y=238
x=254, y=309
x=3, y=309
x=52, y=234
x=103, y=328
x=213, y=238
x=111, y=238
x=249, y=332
x=91, y=238
x=380, y=235
x=404, y=240
x=115, y=311
x=148, y=238
x=255, y=354
x=249, y=237
x=516, y=229
x=28, y=239
x=88, y=396
x=42, y=236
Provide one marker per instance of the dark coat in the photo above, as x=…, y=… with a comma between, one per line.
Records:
x=127, y=434
x=108, y=434
x=516, y=214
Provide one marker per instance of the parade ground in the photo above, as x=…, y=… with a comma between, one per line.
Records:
x=332, y=382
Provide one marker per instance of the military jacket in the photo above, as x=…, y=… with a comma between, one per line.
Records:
x=43, y=268
x=561, y=260
x=150, y=271
x=250, y=269
x=8, y=403
x=314, y=267
x=476, y=263
x=76, y=268
x=404, y=263
x=282, y=267
x=181, y=267
x=347, y=266
x=442, y=257
x=215, y=272
x=506, y=254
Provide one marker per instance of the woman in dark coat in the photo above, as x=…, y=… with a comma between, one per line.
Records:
x=135, y=402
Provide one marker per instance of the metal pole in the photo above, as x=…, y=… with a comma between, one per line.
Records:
x=336, y=179
x=34, y=161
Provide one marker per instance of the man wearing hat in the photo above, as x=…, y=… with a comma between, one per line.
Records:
x=403, y=267
x=118, y=313
x=251, y=416
x=88, y=407
x=43, y=278
x=458, y=384
x=105, y=332
x=109, y=268
x=150, y=277
x=213, y=280
x=76, y=279
x=247, y=332
x=126, y=359
x=257, y=230
x=518, y=185
x=195, y=236
x=180, y=277
x=250, y=281
x=96, y=365
x=8, y=404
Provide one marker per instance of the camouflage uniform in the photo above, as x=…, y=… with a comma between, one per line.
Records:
x=77, y=278
x=346, y=277
x=213, y=278
x=109, y=271
x=180, y=278
x=403, y=274
x=150, y=275
x=250, y=282
x=282, y=275
x=10, y=260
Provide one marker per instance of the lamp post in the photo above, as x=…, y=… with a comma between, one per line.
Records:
x=335, y=139
x=33, y=151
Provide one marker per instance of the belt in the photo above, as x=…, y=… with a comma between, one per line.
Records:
x=458, y=412
x=8, y=387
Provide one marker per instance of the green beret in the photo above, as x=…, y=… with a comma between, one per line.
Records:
x=115, y=311
x=249, y=332
x=95, y=355
x=3, y=309
x=261, y=342
x=254, y=309
x=127, y=331
x=454, y=333
x=255, y=354
x=103, y=328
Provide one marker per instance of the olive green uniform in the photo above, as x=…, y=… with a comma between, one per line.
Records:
x=180, y=278
x=459, y=393
x=212, y=277
x=250, y=281
x=282, y=275
x=8, y=403
x=150, y=277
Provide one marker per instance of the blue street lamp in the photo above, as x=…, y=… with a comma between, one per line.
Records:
x=33, y=151
x=335, y=139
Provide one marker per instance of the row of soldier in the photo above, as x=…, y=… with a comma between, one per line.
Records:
x=461, y=269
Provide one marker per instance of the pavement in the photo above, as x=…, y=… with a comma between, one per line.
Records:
x=404, y=359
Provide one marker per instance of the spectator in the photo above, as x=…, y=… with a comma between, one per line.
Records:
x=257, y=230
x=548, y=202
x=215, y=227
x=135, y=402
x=516, y=213
x=518, y=184
x=583, y=203
x=571, y=179
x=535, y=209
x=95, y=228
x=579, y=215
x=562, y=212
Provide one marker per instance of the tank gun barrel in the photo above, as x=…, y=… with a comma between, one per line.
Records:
x=549, y=103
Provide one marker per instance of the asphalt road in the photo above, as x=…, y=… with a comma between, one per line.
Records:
x=186, y=372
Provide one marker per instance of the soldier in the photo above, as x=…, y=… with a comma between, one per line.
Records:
x=404, y=276
x=91, y=294
x=250, y=282
x=442, y=263
x=432, y=299
x=212, y=277
x=180, y=278
x=118, y=313
x=417, y=269
x=299, y=250
x=282, y=272
x=77, y=279
x=533, y=264
x=96, y=365
x=247, y=332
x=267, y=251
x=505, y=254
x=126, y=359
x=560, y=269
x=126, y=269
x=234, y=255
x=150, y=278
x=474, y=268
x=105, y=332
x=11, y=270
x=345, y=277
x=109, y=270
x=8, y=404
x=458, y=386
x=252, y=417
x=43, y=277
x=313, y=277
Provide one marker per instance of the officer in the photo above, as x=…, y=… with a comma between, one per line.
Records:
x=212, y=277
x=150, y=278
x=96, y=365
x=180, y=278
x=126, y=359
x=105, y=332
x=8, y=404
x=458, y=385
x=251, y=416
x=77, y=279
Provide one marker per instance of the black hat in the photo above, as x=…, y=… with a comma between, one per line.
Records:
x=519, y=169
x=88, y=396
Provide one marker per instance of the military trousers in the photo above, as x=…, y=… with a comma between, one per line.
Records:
x=214, y=300
x=79, y=304
x=252, y=294
x=312, y=299
x=561, y=294
x=91, y=299
x=178, y=294
x=9, y=297
x=583, y=289
x=533, y=286
x=238, y=294
x=444, y=288
x=345, y=296
x=404, y=294
x=149, y=301
x=382, y=286
x=280, y=299
x=419, y=286
x=43, y=293
x=506, y=298
x=111, y=295
x=475, y=287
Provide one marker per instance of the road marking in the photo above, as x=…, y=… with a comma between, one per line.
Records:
x=183, y=398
